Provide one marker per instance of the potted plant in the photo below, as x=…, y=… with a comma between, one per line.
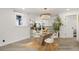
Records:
x=57, y=25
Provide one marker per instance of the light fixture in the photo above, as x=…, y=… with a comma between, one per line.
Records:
x=23, y=8
x=45, y=14
x=67, y=9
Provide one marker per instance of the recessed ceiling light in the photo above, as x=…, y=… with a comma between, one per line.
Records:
x=67, y=9
x=23, y=8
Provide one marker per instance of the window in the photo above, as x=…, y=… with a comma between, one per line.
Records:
x=19, y=19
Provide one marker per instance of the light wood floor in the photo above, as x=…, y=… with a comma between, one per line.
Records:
x=37, y=45
x=34, y=45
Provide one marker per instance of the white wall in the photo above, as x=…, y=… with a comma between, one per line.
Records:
x=78, y=27
x=68, y=23
x=8, y=29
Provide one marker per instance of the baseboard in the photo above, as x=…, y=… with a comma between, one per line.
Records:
x=67, y=37
x=14, y=41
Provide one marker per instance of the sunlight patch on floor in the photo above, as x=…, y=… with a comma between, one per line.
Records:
x=31, y=45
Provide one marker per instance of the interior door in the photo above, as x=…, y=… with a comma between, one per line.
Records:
x=70, y=25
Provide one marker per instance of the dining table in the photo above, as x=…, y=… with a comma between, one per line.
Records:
x=45, y=36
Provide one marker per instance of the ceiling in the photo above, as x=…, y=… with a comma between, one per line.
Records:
x=53, y=11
